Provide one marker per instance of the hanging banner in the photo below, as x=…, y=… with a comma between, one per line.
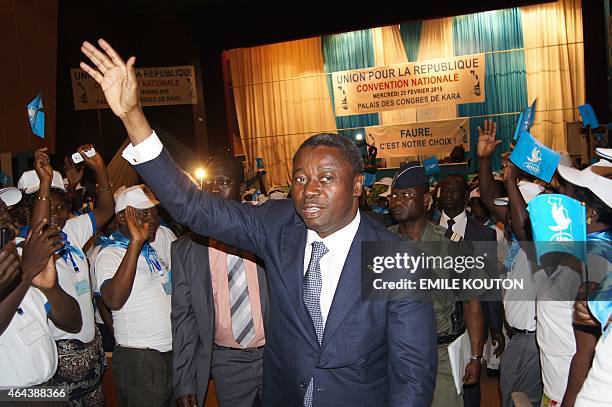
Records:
x=424, y=138
x=159, y=86
x=416, y=84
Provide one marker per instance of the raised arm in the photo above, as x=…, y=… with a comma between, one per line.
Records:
x=105, y=203
x=518, y=208
x=42, y=204
x=486, y=147
x=223, y=220
x=118, y=82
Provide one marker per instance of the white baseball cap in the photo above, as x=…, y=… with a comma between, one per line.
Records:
x=134, y=196
x=10, y=196
x=30, y=183
x=475, y=193
x=385, y=181
x=597, y=178
x=604, y=153
x=529, y=190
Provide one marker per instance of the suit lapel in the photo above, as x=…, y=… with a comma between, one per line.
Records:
x=348, y=290
x=293, y=241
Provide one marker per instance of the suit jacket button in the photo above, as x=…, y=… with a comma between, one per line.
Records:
x=302, y=385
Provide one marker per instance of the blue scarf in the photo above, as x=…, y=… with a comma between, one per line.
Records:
x=513, y=251
x=600, y=244
x=117, y=239
x=69, y=252
x=600, y=301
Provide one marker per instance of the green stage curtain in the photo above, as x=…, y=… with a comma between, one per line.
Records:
x=505, y=81
x=411, y=37
x=341, y=52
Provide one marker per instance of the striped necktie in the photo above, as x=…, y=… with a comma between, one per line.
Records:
x=240, y=306
x=311, y=295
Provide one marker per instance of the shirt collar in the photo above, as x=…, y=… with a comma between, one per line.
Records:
x=339, y=237
x=462, y=216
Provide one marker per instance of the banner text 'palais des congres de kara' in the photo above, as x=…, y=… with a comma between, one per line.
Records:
x=416, y=84
x=159, y=86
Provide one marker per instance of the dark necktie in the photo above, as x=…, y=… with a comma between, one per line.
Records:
x=311, y=295
x=449, y=228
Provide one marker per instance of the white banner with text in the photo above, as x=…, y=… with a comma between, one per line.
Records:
x=419, y=138
x=159, y=86
x=416, y=84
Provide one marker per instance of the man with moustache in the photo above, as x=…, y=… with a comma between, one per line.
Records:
x=325, y=346
x=219, y=303
x=408, y=202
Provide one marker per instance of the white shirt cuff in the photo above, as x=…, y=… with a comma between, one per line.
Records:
x=147, y=150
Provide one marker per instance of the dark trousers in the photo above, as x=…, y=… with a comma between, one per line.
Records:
x=238, y=377
x=143, y=377
x=520, y=369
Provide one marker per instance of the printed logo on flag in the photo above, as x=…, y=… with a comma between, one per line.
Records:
x=36, y=115
x=558, y=225
x=562, y=223
x=525, y=121
x=431, y=166
x=535, y=158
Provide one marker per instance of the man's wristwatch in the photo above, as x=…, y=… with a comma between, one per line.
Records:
x=477, y=358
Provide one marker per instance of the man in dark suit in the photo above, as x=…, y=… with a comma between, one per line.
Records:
x=325, y=346
x=453, y=199
x=213, y=334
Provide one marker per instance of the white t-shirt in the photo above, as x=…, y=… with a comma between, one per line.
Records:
x=595, y=391
x=144, y=319
x=555, y=333
x=77, y=284
x=28, y=354
x=519, y=304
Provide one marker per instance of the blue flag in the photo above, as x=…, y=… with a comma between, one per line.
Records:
x=558, y=223
x=525, y=121
x=368, y=179
x=37, y=116
x=588, y=116
x=534, y=158
x=600, y=302
x=431, y=166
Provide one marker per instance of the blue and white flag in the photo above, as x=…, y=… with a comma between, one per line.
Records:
x=525, y=121
x=37, y=116
x=558, y=223
x=588, y=116
x=535, y=158
x=431, y=166
x=368, y=179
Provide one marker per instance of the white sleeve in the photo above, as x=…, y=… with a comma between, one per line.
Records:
x=106, y=265
x=79, y=229
x=162, y=245
x=147, y=150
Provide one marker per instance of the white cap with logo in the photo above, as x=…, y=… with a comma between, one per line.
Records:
x=134, y=196
x=29, y=182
